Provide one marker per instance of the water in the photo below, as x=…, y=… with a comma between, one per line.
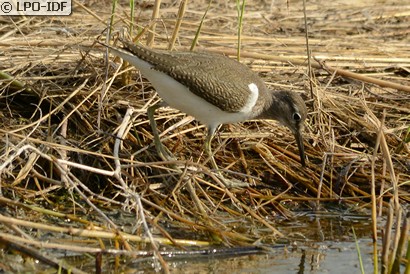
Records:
x=319, y=243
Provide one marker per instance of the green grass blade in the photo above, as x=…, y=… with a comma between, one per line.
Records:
x=241, y=12
x=198, y=31
x=359, y=255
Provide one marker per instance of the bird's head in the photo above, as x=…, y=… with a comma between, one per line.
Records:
x=290, y=109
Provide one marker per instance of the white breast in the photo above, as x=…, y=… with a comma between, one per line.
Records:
x=180, y=97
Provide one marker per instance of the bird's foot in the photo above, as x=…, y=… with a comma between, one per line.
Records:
x=164, y=153
x=231, y=183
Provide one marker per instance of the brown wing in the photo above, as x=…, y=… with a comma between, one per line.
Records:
x=216, y=78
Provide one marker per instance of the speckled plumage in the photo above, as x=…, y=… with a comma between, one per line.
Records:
x=215, y=89
x=206, y=75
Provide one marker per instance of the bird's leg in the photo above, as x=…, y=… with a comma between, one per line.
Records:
x=162, y=151
x=208, y=148
x=228, y=183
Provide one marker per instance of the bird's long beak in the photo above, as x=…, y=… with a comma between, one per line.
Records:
x=299, y=141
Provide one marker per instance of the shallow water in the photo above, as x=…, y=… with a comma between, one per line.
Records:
x=325, y=257
x=316, y=242
x=320, y=243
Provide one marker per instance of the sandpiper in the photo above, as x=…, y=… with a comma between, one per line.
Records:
x=214, y=89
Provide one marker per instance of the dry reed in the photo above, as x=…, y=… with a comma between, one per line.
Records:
x=65, y=173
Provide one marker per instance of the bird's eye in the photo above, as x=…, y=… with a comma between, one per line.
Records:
x=296, y=116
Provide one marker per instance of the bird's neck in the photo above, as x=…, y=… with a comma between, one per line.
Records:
x=269, y=105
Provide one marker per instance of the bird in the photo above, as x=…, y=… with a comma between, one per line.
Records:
x=214, y=89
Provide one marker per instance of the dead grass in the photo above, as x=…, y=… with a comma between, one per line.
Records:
x=76, y=143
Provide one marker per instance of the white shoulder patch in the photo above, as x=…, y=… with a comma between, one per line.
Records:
x=253, y=97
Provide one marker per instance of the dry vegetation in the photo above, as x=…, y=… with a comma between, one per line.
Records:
x=76, y=145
